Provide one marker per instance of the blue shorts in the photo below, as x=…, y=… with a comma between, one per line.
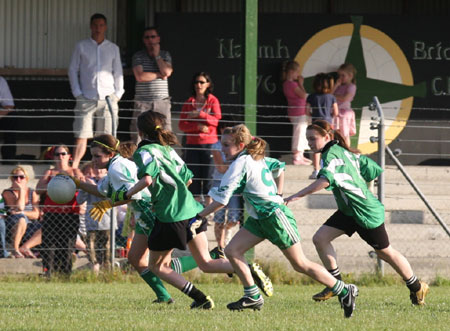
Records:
x=234, y=207
x=12, y=220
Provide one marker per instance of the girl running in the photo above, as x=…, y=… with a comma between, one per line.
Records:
x=177, y=225
x=252, y=174
x=345, y=172
x=107, y=152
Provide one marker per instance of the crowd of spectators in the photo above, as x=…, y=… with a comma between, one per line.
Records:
x=96, y=81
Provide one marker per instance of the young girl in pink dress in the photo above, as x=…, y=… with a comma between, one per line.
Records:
x=296, y=97
x=344, y=91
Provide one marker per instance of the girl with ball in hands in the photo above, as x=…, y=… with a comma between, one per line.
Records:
x=108, y=153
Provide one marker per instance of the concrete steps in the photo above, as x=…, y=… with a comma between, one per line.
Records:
x=411, y=227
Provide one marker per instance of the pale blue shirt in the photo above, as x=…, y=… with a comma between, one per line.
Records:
x=6, y=98
x=95, y=70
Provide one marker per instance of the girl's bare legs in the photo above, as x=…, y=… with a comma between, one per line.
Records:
x=138, y=254
x=160, y=265
x=301, y=264
x=397, y=261
x=199, y=250
x=316, y=161
x=235, y=250
x=322, y=240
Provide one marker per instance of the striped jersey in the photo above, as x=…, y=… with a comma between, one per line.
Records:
x=157, y=89
x=347, y=174
x=255, y=181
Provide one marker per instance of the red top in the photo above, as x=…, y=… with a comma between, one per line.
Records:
x=209, y=115
x=70, y=207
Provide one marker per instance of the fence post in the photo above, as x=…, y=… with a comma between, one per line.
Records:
x=113, y=212
x=381, y=158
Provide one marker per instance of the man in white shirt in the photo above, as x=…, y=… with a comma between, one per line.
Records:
x=8, y=122
x=95, y=72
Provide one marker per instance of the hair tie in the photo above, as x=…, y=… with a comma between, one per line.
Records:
x=157, y=127
x=108, y=147
x=253, y=138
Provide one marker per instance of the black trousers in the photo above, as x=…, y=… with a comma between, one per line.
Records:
x=59, y=234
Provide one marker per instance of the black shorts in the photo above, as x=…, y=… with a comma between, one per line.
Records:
x=166, y=236
x=377, y=238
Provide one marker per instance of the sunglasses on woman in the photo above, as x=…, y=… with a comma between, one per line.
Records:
x=18, y=177
x=62, y=153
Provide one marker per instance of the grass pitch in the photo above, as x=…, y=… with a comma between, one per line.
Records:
x=118, y=306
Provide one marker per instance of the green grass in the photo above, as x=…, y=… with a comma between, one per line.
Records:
x=113, y=305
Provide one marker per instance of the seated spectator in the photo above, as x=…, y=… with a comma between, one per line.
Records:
x=98, y=233
x=4, y=252
x=22, y=204
x=60, y=221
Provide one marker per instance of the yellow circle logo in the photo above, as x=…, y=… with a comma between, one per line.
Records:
x=382, y=71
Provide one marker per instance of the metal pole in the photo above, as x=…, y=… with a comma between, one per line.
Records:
x=414, y=186
x=113, y=212
x=382, y=163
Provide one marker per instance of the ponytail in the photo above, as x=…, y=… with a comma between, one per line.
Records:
x=255, y=146
x=323, y=128
x=152, y=125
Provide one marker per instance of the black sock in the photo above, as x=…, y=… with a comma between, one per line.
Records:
x=336, y=273
x=413, y=284
x=193, y=292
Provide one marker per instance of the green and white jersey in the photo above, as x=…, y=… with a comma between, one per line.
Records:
x=347, y=174
x=171, y=199
x=255, y=181
x=122, y=175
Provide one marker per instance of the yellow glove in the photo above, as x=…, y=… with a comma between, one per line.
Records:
x=99, y=209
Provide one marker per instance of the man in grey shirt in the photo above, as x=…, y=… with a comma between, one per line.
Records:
x=151, y=67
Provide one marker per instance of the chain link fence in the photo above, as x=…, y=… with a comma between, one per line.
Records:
x=413, y=230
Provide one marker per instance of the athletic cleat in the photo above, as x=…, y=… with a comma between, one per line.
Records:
x=207, y=304
x=418, y=298
x=169, y=302
x=348, y=302
x=326, y=294
x=247, y=303
x=261, y=279
x=218, y=252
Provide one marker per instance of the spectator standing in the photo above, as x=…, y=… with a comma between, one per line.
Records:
x=321, y=105
x=22, y=205
x=95, y=72
x=98, y=233
x=199, y=119
x=60, y=221
x=344, y=91
x=151, y=67
x=7, y=122
x=295, y=94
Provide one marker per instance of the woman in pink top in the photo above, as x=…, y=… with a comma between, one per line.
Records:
x=199, y=118
x=344, y=91
x=296, y=97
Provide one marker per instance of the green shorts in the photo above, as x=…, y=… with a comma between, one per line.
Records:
x=280, y=228
x=145, y=219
